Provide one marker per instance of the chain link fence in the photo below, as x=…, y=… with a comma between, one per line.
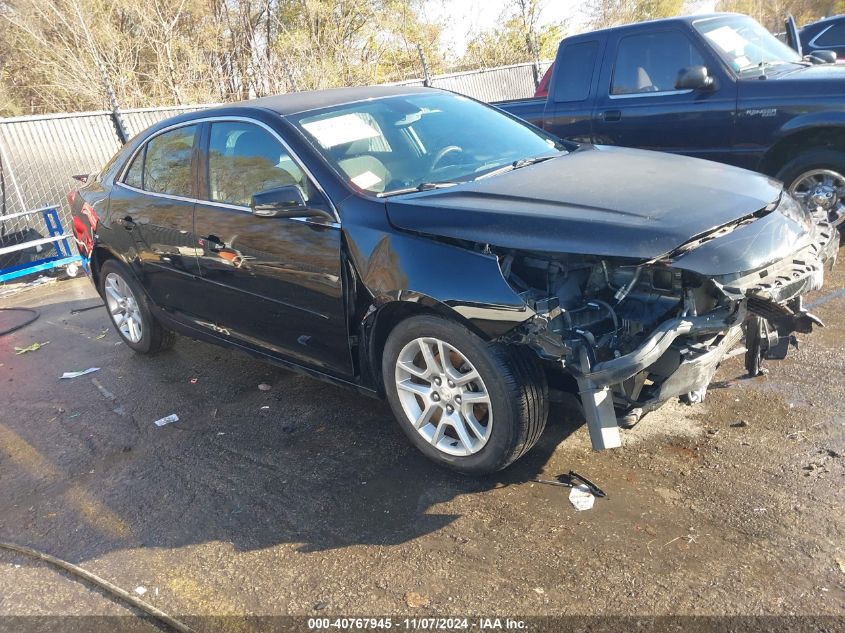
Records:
x=39, y=155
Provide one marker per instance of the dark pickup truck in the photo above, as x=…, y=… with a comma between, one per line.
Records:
x=718, y=86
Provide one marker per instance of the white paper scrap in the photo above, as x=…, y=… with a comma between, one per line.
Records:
x=581, y=497
x=167, y=420
x=77, y=374
x=366, y=180
x=338, y=130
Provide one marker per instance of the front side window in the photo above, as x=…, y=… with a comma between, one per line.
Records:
x=245, y=159
x=744, y=44
x=387, y=144
x=652, y=62
x=167, y=163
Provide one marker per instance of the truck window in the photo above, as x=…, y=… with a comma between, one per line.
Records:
x=574, y=74
x=651, y=62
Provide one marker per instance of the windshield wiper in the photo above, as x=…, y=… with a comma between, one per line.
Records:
x=423, y=186
x=517, y=164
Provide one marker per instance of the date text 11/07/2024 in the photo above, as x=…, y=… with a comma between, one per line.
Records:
x=421, y=624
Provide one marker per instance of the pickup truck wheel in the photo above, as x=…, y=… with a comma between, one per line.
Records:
x=467, y=404
x=816, y=178
x=129, y=312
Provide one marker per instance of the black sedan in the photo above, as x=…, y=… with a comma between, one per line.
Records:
x=423, y=247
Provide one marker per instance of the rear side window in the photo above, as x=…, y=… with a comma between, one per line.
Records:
x=167, y=162
x=651, y=62
x=245, y=159
x=575, y=73
x=135, y=175
x=833, y=36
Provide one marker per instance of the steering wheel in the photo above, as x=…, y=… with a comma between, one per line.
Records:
x=442, y=153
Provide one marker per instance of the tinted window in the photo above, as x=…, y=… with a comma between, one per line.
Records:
x=575, y=73
x=135, y=175
x=167, y=166
x=245, y=159
x=651, y=62
x=834, y=36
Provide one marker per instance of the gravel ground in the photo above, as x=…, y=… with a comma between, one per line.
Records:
x=306, y=499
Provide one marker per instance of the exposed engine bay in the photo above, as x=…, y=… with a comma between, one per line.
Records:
x=635, y=334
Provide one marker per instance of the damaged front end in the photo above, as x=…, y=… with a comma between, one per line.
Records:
x=635, y=334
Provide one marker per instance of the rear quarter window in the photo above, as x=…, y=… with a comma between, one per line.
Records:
x=167, y=162
x=574, y=71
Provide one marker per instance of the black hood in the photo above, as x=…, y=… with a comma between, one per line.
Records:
x=597, y=200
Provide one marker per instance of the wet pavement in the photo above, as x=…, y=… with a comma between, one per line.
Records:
x=306, y=499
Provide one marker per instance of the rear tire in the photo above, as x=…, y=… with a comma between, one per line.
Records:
x=124, y=299
x=499, y=394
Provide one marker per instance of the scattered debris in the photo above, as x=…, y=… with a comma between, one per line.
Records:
x=194, y=381
x=30, y=348
x=94, y=307
x=140, y=590
x=740, y=424
x=77, y=374
x=167, y=420
x=689, y=538
x=581, y=497
x=265, y=408
x=570, y=480
x=416, y=600
x=841, y=563
x=539, y=590
x=214, y=413
x=264, y=387
x=101, y=335
x=712, y=431
x=320, y=606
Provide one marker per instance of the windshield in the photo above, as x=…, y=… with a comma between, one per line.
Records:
x=745, y=44
x=420, y=140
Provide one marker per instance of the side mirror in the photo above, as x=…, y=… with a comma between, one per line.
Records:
x=822, y=57
x=284, y=202
x=694, y=78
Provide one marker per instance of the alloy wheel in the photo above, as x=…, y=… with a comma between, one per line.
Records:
x=821, y=189
x=443, y=396
x=123, y=307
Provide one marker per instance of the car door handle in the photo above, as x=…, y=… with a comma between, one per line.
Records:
x=612, y=115
x=215, y=244
x=128, y=222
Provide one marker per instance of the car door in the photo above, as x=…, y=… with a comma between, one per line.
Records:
x=639, y=106
x=153, y=203
x=269, y=283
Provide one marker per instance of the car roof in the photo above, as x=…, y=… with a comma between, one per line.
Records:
x=823, y=22
x=298, y=102
x=649, y=24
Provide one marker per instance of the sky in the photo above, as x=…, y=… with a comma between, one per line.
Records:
x=463, y=18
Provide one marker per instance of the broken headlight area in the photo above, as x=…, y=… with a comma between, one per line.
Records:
x=635, y=335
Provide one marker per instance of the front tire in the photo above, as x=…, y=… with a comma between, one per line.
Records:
x=129, y=311
x=467, y=404
x=816, y=178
